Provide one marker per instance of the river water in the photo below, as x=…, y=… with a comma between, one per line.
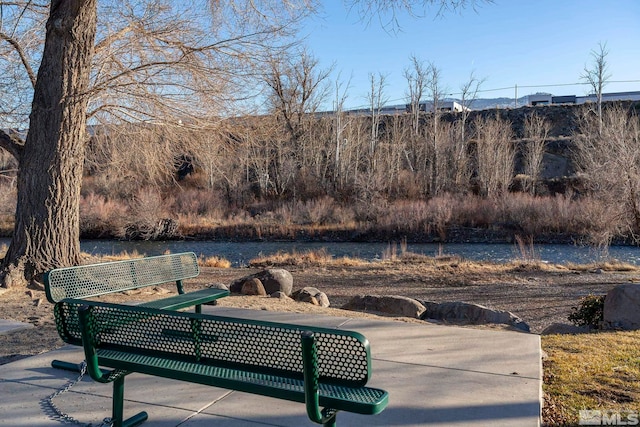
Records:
x=240, y=253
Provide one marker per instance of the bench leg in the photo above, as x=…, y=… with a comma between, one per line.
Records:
x=67, y=366
x=70, y=366
x=331, y=422
x=118, y=407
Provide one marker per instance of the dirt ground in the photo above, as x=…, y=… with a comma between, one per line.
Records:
x=538, y=295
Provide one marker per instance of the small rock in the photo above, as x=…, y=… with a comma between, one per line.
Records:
x=253, y=287
x=217, y=286
x=280, y=295
x=312, y=295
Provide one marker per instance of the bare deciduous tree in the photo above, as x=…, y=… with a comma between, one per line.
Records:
x=417, y=76
x=610, y=158
x=468, y=94
x=387, y=11
x=297, y=88
x=536, y=131
x=597, y=75
x=495, y=155
x=436, y=92
x=134, y=71
x=376, y=99
x=341, y=90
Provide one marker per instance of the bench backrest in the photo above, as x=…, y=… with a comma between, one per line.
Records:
x=87, y=281
x=265, y=347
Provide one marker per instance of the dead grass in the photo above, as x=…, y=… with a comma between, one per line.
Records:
x=318, y=257
x=124, y=255
x=214, y=261
x=611, y=265
x=599, y=371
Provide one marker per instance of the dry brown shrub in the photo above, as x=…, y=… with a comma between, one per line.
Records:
x=532, y=215
x=100, y=215
x=600, y=222
x=191, y=201
x=371, y=209
x=317, y=211
x=148, y=218
x=441, y=210
x=406, y=216
x=475, y=211
x=285, y=213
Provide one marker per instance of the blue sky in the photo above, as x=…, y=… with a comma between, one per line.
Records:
x=507, y=42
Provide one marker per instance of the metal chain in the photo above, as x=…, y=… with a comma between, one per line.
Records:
x=64, y=417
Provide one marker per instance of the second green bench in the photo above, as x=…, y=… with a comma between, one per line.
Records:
x=96, y=280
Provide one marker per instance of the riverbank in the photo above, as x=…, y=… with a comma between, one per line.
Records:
x=538, y=293
x=338, y=234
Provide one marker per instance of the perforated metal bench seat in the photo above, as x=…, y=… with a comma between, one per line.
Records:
x=312, y=365
x=360, y=400
x=190, y=299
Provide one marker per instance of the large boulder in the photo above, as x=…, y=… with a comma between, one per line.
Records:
x=388, y=304
x=470, y=314
x=622, y=307
x=311, y=295
x=273, y=280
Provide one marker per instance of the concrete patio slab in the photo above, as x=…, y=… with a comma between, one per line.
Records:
x=435, y=375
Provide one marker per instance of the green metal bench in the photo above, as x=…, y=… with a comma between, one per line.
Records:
x=320, y=367
x=95, y=280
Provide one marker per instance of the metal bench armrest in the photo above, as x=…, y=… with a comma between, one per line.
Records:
x=87, y=328
x=327, y=416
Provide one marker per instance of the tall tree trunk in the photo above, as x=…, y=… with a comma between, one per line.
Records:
x=46, y=233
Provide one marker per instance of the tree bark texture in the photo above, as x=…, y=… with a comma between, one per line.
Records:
x=46, y=232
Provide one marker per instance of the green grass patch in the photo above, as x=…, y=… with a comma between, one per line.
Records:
x=598, y=371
